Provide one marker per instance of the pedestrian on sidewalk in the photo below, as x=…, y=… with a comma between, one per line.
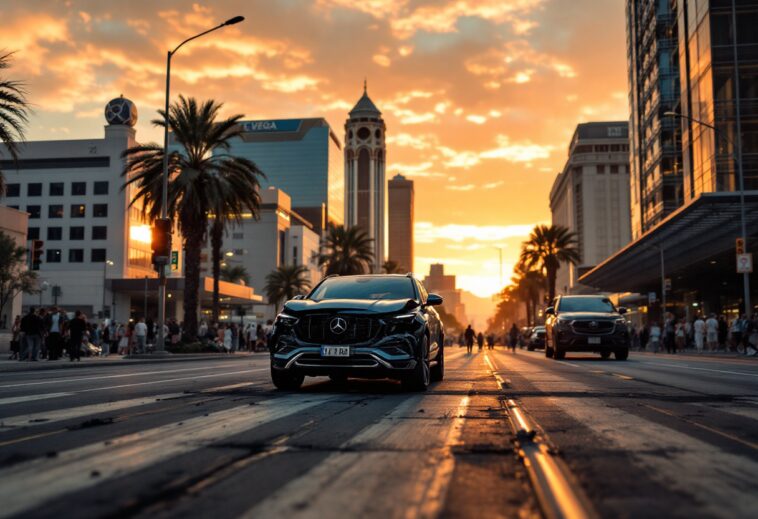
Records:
x=140, y=335
x=513, y=337
x=655, y=337
x=31, y=326
x=699, y=328
x=681, y=337
x=77, y=328
x=15, y=338
x=723, y=331
x=712, y=332
x=669, y=334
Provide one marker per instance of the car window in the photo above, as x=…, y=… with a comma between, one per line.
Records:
x=422, y=291
x=585, y=304
x=364, y=288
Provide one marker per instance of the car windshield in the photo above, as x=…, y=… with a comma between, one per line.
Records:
x=364, y=288
x=586, y=304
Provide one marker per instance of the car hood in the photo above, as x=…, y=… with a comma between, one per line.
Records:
x=573, y=316
x=368, y=306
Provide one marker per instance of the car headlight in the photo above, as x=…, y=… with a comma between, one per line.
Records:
x=620, y=322
x=285, y=320
x=562, y=324
x=401, y=323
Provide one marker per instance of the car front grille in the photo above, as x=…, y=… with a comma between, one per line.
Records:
x=317, y=329
x=360, y=360
x=590, y=327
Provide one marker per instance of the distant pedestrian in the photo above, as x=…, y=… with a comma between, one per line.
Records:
x=699, y=327
x=513, y=336
x=31, y=326
x=15, y=338
x=669, y=334
x=77, y=328
x=644, y=337
x=680, y=338
x=712, y=332
x=140, y=336
x=655, y=337
x=469, y=335
x=723, y=331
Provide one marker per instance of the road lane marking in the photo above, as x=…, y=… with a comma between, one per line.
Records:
x=30, y=398
x=172, y=380
x=704, y=369
x=724, y=434
x=123, y=375
x=58, y=415
x=625, y=377
x=30, y=484
x=32, y=437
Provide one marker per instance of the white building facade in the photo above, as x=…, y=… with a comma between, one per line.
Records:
x=590, y=197
x=365, y=180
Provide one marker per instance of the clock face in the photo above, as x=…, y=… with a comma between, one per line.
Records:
x=363, y=133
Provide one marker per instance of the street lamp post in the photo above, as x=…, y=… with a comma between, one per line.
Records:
x=106, y=264
x=736, y=153
x=164, y=186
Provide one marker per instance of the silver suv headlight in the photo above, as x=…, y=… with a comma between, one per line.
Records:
x=562, y=324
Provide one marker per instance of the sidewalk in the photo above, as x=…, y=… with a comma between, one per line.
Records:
x=9, y=366
x=695, y=355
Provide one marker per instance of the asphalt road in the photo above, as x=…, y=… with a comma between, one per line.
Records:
x=655, y=436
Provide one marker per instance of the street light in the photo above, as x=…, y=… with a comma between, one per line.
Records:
x=164, y=193
x=737, y=157
x=106, y=264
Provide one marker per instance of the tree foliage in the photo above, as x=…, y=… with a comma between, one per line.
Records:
x=14, y=276
x=547, y=247
x=286, y=282
x=14, y=114
x=348, y=251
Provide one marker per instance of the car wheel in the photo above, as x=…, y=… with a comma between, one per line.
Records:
x=559, y=354
x=421, y=377
x=622, y=354
x=438, y=371
x=285, y=380
x=605, y=355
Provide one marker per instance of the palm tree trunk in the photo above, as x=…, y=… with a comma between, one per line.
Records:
x=528, y=313
x=193, y=245
x=217, y=241
x=551, y=277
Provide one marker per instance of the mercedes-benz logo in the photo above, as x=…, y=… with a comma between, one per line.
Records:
x=594, y=324
x=338, y=325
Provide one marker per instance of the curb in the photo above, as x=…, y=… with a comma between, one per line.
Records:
x=15, y=366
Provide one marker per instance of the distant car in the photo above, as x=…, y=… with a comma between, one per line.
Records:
x=536, y=338
x=372, y=326
x=586, y=323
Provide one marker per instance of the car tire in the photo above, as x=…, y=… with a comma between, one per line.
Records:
x=622, y=354
x=559, y=354
x=285, y=380
x=421, y=377
x=438, y=371
x=605, y=355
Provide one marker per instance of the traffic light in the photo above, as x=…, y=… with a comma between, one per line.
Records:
x=740, y=245
x=161, y=241
x=37, y=253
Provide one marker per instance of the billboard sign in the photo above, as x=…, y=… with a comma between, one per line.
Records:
x=271, y=126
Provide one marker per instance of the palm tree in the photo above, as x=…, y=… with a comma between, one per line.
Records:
x=528, y=283
x=548, y=247
x=286, y=282
x=200, y=175
x=349, y=251
x=14, y=114
x=230, y=204
x=392, y=267
x=235, y=274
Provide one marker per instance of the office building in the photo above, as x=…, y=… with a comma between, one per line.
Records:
x=13, y=223
x=653, y=72
x=400, y=222
x=444, y=285
x=690, y=254
x=365, y=183
x=97, y=255
x=303, y=158
x=590, y=197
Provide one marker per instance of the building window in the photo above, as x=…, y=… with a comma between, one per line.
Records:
x=78, y=188
x=55, y=211
x=56, y=189
x=99, y=232
x=55, y=233
x=100, y=210
x=53, y=256
x=34, y=189
x=76, y=233
x=33, y=211
x=601, y=148
x=601, y=170
x=584, y=148
x=76, y=255
x=32, y=233
x=78, y=210
x=614, y=169
x=12, y=190
x=101, y=188
x=98, y=256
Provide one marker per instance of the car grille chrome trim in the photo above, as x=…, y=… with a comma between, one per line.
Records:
x=315, y=360
x=316, y=329
x=593, y=327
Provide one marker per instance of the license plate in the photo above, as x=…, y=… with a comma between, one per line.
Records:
x=593, y=340
x=335, y=351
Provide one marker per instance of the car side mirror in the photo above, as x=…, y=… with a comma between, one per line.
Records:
x=298, y=297
x=550, y=310
x=433, y=300
x=623, y=310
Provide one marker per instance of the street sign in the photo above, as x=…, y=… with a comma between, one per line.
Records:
x=745, y=263
x=174, y=260
x=651, y=297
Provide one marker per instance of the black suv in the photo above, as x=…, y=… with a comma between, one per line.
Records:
x=372, y=326
x=586, y=323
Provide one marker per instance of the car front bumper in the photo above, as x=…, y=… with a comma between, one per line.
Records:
x=568, y=341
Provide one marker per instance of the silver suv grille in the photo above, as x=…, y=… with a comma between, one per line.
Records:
x=593, y=327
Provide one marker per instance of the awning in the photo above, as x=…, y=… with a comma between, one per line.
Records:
x=229, y=293
x=699, y=233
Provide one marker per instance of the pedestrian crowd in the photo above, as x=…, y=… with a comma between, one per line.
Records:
x=233, y=337
x=701, y=334
x=511, y=339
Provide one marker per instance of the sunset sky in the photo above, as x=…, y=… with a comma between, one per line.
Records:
x=480, y=97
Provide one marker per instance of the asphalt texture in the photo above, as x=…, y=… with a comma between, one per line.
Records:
x=654, y=436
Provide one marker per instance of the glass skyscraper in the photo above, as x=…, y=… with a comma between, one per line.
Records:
x=303, y=158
